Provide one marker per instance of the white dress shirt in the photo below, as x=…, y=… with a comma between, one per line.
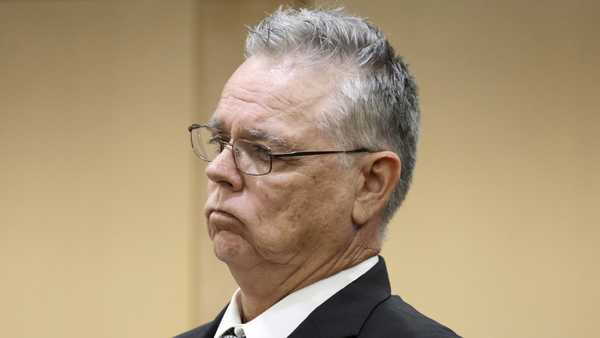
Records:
x=281, y=319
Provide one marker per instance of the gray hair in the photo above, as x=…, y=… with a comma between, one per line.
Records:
x=377, y=100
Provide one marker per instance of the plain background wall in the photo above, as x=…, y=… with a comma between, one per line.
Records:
x=96, y=182
x=101, y=231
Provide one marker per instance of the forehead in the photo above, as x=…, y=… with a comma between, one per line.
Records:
x=266, y=95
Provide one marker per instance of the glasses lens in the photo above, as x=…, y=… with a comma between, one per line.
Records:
x=252, y=158
x=206, y=144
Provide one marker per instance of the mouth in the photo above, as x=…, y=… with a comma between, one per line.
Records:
x=221, y=220
x=220, y=212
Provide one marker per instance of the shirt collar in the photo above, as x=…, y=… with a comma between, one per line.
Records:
x=281, y=319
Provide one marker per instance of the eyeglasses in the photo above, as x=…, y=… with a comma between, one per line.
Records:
x=250, y=158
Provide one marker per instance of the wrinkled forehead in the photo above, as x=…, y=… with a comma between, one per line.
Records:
x=264, y=95
x=275, y=137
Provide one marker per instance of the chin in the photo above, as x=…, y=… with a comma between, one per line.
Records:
x=230, y=247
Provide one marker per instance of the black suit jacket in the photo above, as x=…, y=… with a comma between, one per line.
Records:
x=363, y=309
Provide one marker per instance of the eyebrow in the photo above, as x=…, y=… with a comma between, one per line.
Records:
x=261, y=135
x=253, y=134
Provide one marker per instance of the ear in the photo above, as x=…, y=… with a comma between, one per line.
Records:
x=379, y=173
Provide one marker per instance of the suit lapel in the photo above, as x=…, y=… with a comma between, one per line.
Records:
x=207, y=330
x=212, y=327
x=344, y=313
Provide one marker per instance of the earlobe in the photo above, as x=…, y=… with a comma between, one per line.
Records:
x=379, y=175
x=359, y=216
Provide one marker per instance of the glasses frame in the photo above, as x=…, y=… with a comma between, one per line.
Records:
x=272, y=155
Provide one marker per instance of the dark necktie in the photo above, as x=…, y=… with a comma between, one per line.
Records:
x=231, y=334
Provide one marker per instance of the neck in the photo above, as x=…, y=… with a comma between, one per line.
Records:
x=265, y=284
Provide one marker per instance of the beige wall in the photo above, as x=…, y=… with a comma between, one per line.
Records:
x=95, y=98
x=100, y=199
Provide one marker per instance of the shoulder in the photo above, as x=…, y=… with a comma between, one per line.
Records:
x=199, y=332
x=395, y=318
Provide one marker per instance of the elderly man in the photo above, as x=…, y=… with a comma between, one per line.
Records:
x=311, y=150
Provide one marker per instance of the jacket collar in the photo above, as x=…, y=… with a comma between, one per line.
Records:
x=344, y=314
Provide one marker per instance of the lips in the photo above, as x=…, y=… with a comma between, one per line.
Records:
x=210, y=211
x=221, y=220
x=222, y=215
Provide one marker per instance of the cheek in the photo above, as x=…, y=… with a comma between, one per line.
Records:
x=295, y=214
x=278, y=212
x=277, y=227
x=285, y=199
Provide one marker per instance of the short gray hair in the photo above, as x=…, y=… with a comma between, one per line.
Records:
x=378, y=104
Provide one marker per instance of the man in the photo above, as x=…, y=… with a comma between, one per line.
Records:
x=311, y=150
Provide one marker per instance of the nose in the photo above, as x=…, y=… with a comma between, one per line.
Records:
x=223, y=171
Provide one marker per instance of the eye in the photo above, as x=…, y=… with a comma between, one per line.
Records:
x=215, y=139
x=218, y=140
x=261, y=152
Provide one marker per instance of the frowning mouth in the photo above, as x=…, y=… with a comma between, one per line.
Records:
x=210, y=211
x=220, y=220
